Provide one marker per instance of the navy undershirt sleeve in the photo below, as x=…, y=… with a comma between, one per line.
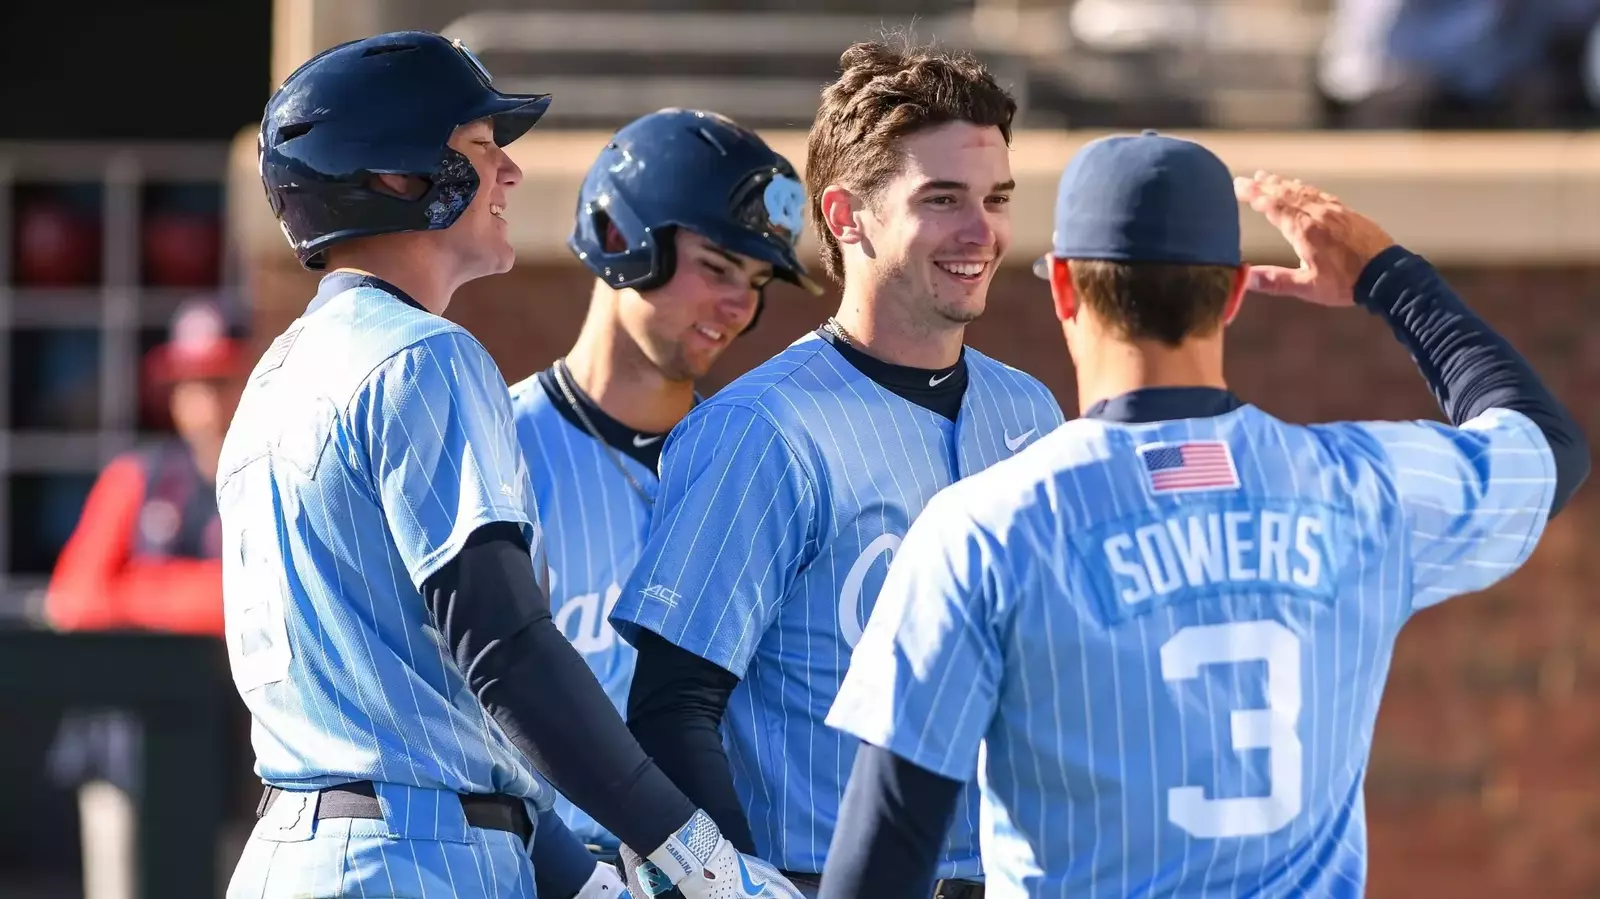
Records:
x=528, y=677
x=1469, y=367
x=562, y=864
x=894, y=818
x=675, y=709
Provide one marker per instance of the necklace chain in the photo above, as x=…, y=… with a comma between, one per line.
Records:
x=838, y=330
x=563, y=379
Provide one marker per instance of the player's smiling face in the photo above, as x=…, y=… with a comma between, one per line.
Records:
x=684, y=325
x=481, y=235
x=940, y=227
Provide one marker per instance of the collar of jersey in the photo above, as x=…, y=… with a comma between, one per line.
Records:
x=621, y=437
x=894, y=377
x=335, y=283
x=1165, y=404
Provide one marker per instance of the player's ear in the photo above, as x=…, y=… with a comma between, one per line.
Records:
x=839, y=209
x=1241, y=282
x=1061, y=289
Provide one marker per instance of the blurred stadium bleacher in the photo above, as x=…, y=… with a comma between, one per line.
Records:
x=1176, y=63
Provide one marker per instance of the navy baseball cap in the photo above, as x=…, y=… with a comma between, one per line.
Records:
x=1145, y=198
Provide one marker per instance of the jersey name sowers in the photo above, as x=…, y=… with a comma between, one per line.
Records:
x=1207, y=548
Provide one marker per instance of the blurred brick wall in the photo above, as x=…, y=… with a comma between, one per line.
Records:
x=1485, y=780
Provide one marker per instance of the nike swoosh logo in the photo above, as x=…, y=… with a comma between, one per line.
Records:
x=936, y=380
x=1013, y=442
x=642, y=442
x=750, y=886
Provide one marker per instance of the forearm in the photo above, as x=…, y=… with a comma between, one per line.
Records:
x=675, y=710
x=561, y=863
x=891, y=824
x=82, y=594
x=180, y=596
x=528, y=677
x=551, y=707
x=1469, y=367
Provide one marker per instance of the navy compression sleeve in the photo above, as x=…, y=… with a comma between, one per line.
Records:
x=496, y=621
x=562, y=864
x=894, y=818
x=1469, y=367
x=675, y=709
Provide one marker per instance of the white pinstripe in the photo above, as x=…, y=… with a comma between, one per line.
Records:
x=1026, y=522
x=411, y=655
x=388, y=872
x=479, y=859
x=841, y=755
x=1259, y=488
x=347, y=541
x=595, y=525
x=852, y=488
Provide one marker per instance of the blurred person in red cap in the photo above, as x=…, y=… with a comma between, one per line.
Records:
x=145, y=552
x=146, y=556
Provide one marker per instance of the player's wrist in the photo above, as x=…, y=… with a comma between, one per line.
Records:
x=700, y=862
x=1375, y=288
x=687, y=850
x=603, y=883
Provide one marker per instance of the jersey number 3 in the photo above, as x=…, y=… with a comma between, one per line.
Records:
x=1273, y=728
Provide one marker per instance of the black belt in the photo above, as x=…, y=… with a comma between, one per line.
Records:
x=360, y=800
x=942, y=889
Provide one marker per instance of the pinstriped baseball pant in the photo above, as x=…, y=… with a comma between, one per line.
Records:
x=423, y=847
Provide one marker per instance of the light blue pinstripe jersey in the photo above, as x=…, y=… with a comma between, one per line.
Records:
x=783, y=497
x=372, y=439
x=1175, y=695
x=594, y=528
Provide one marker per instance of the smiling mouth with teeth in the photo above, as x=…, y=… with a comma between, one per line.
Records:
x=498, y=211
x=708, y=333
x=963, y=270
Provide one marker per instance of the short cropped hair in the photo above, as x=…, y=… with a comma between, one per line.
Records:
x=1152, y=300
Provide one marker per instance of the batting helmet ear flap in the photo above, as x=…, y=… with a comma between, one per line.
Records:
x=761, y=303
x=1061, y=290
x=622, y=251
x=613, y=240
x=665, y=250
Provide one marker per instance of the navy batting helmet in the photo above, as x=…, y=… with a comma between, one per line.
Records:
x=688, y=168
x=382, y=105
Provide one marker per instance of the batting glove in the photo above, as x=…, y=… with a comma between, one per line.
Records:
x=700, y=863
x=604, y=883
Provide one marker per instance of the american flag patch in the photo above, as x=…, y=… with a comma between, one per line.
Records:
x=273, y=358
x=1191, y=465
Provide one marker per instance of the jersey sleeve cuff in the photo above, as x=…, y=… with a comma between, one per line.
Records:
x=430, y=564
x=930, y=755
x=629, y=620
x=1523, y=426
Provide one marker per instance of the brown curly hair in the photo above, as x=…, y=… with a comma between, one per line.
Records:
x=886, y=91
